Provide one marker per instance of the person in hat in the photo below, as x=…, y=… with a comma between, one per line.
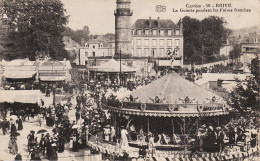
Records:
x=53, y=155
x=13, y=129
x=20, y=123
x=42, y=144
x=30, y=138
x=220, y=138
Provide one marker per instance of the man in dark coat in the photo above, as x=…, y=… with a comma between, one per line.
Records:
x=13, y=130
x=20, y=123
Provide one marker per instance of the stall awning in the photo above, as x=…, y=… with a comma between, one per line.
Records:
x=52, y=78
x=23, y=96
x=19, y=74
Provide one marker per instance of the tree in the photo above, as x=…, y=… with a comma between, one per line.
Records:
x=235, y=53
x=35, y=28
x=77, y=35
x=203, y=39
x=246, y=94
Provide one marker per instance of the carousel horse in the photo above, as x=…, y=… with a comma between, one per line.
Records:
x=159, y=140
x=176, y=139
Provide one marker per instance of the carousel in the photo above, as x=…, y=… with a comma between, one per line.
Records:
x=168, y=119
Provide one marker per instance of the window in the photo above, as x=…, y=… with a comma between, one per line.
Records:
x=86, y=54
x=154, y=32
x=146, y=42
x=93, y=46
x=169, y=42
x=161, y=52
x=133, y=32
x=161, y=42
x=161, y=32
x=169, y=32
x=177, y=42
x=154, y=42
x=177, y=32
x=139, y=42
x=139, y=52
x=154, y=53
x=146, y=52
x=94, y=54
x=139, y=32
x=146, y=32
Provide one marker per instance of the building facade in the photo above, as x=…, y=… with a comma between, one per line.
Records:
x=94, y=48
x=156, y=39
x=249, y=52
x=123, y=24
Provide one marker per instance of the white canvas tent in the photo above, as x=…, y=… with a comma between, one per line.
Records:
x=22, y=96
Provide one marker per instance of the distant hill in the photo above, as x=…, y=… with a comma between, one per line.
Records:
x=246, y=30
x=69, y=43
x=71, y=46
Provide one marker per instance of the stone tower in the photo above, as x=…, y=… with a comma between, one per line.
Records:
x=123, y=29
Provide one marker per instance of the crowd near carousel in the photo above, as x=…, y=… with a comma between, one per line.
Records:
x=172, y=119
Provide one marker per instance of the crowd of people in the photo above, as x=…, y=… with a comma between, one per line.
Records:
x=91, y=120
x=196, y=73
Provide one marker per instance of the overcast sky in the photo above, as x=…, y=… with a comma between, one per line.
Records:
x=99, y=14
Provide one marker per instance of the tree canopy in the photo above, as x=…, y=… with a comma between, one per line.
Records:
x=245, y=97
x=35, y=28
x=203, y=39
x=77, y=35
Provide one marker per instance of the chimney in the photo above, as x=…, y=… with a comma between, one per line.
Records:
x=150, y=22
x=181, y=27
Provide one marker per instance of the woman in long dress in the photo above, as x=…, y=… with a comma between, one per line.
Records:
x=13, y=146
x=124, y=141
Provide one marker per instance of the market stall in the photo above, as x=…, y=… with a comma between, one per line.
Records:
x=19, y=69
x=111, y=70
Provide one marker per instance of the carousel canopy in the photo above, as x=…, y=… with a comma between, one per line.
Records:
x=172, y=88
x=169, y=96
x=111, y=66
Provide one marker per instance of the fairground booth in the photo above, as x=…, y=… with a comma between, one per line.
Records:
x=19, y=101
x=168, y=119
x=19, y=70
x=111, y=70
x=55, y=71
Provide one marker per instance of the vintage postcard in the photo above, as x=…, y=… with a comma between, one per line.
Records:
x=129, y=80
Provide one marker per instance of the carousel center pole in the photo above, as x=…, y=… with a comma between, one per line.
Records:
x=172, y=127
x=148, y=129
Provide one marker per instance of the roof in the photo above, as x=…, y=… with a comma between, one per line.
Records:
x=52, y=63
x=164, y=24
x=18, y=62
x=171, y=87
x=111, y=66
x=93, y=41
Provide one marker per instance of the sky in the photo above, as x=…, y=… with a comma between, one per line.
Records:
x=98, y=15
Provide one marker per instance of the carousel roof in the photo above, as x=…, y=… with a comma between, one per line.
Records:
x=172, y=88
x=111, y=66
x=177, y=98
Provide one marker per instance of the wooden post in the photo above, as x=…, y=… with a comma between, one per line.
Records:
x=172, y=127
x=148, y=129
